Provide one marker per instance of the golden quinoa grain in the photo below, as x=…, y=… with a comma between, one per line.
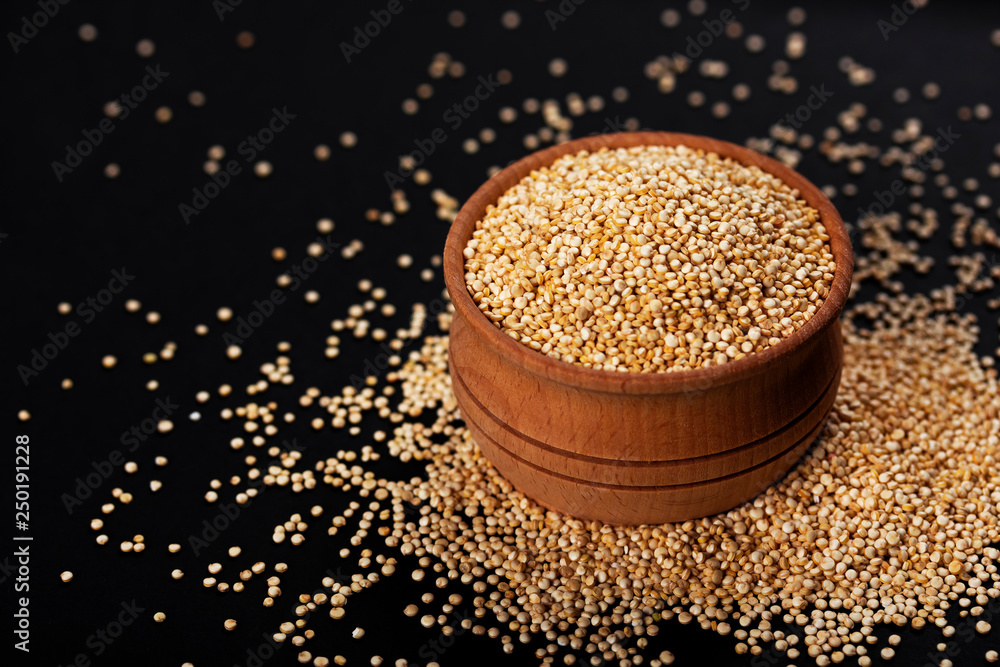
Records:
x=145, y=48
x=627, y=285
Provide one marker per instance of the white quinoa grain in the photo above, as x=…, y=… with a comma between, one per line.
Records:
x=637, y=269
x=263, y=169
x=145, y=48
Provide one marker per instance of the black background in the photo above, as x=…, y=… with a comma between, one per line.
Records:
x=63, y=239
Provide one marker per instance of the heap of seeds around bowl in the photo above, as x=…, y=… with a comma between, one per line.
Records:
x=651, y=258
x=890, y=519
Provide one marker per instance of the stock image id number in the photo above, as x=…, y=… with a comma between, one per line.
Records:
x=22, y=493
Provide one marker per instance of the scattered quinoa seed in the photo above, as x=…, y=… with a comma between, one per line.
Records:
x=145, y=48
x=636, y=260
x=262, y=169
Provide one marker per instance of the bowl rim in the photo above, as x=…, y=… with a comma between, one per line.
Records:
x=687, y=380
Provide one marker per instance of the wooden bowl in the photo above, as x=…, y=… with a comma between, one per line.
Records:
x=633, y=448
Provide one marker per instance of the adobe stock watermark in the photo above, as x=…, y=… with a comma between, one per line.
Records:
x=261, y=653
x=31, y=24
x=453, y=117
x=364, y=34
x=263, y=309
x=249, y=148
x=613, y=125
x=103, y=637
x=59, y=340
x=989, y=270
x=7, y=569
x=884, y=200
x=901, y=13
x=223, y=7
x=92, y=138
x=801, y=115
x=563, y=11
x=377, y=365
x=227, y=514
x=608, y=657
x=256, y=656
x=433, y=649
x=966, y=632
x=696, y=44
x=103, y=469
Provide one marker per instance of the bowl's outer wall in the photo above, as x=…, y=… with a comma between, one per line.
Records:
x=652, y=447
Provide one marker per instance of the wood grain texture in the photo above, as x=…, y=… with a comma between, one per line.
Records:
x=698, y=420
x=633, y=505
x=549, y=455
x=637, y=447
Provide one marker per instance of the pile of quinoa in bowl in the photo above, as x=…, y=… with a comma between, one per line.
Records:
x=649, y=258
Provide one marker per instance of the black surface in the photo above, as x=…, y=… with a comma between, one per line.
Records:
x=62, y=240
